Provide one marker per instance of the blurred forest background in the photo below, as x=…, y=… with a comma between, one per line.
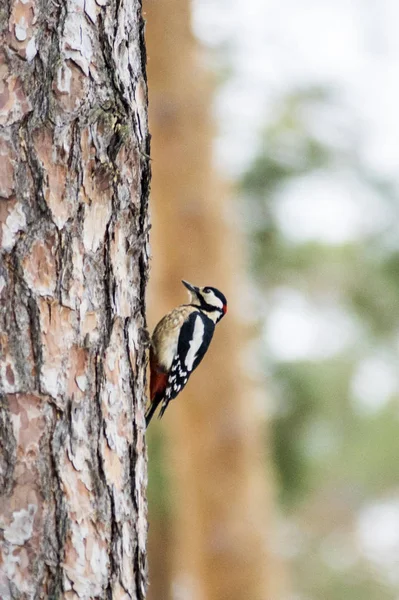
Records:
x=275, y=476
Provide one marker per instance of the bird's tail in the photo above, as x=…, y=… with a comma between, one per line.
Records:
x=163, y=408
x=153, y=407
x=150, y=412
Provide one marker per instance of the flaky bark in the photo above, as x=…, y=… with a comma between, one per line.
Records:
x=73, y=231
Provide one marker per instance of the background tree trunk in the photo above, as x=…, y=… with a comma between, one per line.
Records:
x=74, y=187
x=221, y=493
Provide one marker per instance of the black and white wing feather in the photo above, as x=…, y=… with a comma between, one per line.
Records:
x=194, y=339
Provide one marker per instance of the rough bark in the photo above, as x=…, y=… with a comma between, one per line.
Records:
x=74, y=179
x=222, y=487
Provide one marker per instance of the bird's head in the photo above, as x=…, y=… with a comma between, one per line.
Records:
x=209, y=299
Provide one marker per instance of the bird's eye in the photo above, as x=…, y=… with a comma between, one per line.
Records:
x=207, y=290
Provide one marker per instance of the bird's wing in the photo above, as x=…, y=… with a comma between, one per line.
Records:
x=194, y=339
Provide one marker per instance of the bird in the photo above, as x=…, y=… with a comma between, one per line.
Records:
x=179, y=343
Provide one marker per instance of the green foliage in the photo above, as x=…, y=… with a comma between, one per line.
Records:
x=158, y=480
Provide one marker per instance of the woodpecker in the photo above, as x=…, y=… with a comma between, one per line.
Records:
x=179, y=343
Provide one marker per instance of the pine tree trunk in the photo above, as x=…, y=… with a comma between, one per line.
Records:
x=74, y=176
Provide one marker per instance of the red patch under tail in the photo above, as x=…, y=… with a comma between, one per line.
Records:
x=158, y=382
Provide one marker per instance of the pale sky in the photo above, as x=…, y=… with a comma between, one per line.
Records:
x=277, y=44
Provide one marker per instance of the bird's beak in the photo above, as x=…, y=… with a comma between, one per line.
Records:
x=191, y=288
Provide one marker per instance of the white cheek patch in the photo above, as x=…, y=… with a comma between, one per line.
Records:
x=195, y=343
x=214, y=300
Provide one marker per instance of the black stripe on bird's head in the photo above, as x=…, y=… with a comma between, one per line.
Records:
x=208, y=299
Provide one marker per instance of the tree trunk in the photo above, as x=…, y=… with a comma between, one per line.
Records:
x=73, y=210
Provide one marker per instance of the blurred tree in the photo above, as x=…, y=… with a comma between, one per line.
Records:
x=220, y=486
